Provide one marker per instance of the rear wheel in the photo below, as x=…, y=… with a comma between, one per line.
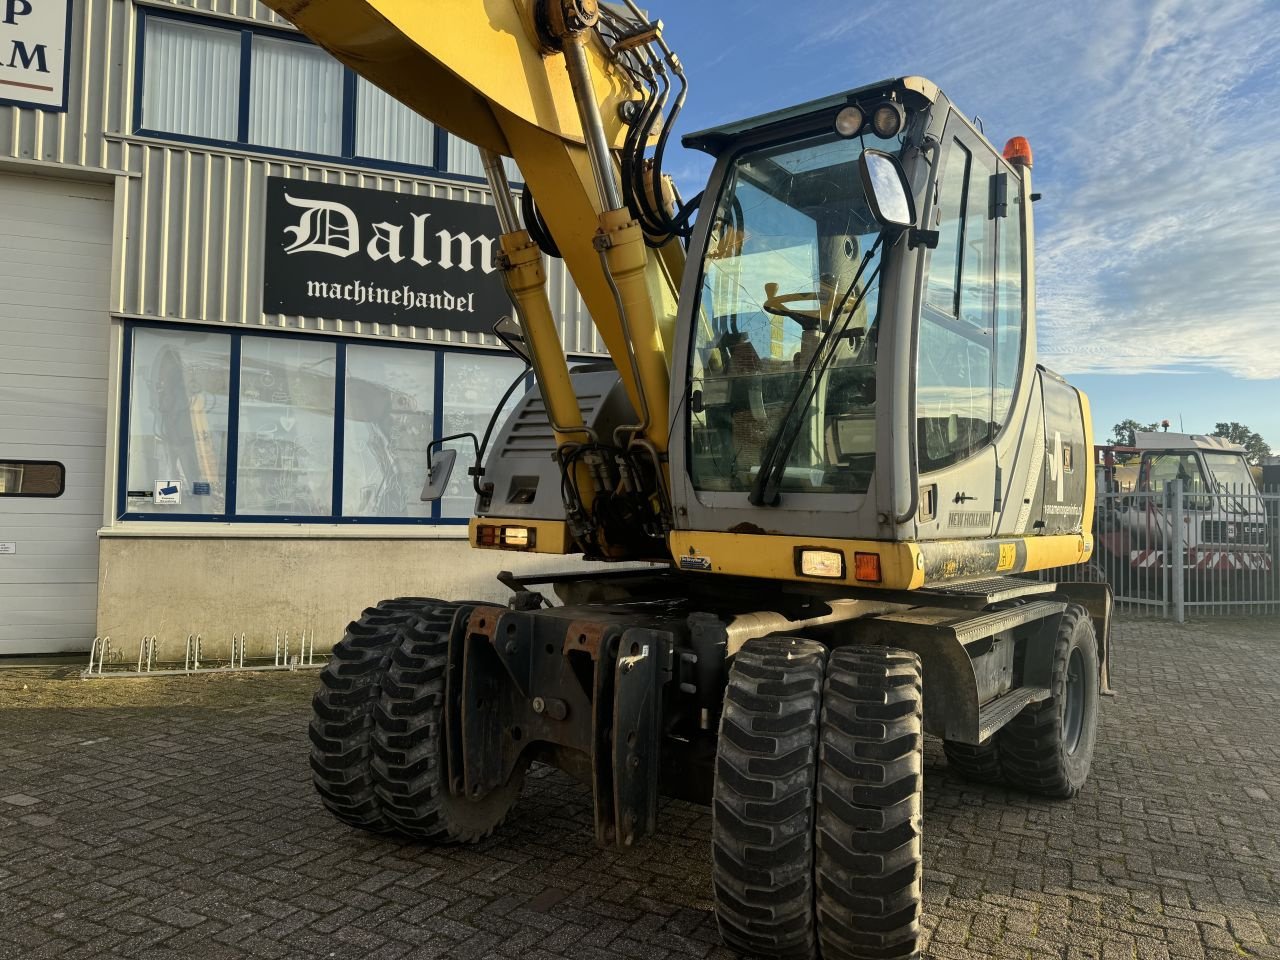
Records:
x=342, y=712
x=978, y=763
x=1048, y=747
x=410, y=770
x=763, y=811
x=870, y=806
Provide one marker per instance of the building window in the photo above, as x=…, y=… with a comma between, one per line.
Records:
x=473, y=387
x=389, y=419
x=295, y=97
x=274, y=91
x=317, y=429
x=388, y=130
x=284, y=463
x=179, y=389
x=190, y=69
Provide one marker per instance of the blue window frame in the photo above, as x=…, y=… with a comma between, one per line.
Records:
x=226, y=111
x=248, y=426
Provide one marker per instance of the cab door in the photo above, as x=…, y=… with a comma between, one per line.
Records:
x=956, y=359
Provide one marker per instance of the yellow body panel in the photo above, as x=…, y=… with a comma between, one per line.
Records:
x=1090, y=479
x=903, y=566
x=773, y=557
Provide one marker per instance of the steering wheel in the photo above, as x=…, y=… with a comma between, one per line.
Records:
x=777, y=305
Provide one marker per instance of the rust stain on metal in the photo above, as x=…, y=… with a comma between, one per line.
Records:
x=748, y=528
x=484, y=621
x=584, y=635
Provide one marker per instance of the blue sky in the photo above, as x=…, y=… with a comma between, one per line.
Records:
x=1156, y=131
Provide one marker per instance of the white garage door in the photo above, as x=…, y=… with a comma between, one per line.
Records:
x=55, y=260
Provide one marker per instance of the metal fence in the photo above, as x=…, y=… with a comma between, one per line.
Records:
x=1186, y=553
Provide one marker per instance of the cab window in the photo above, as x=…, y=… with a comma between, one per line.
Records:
x=956, y=345
x=1162, y=471
x=1009, y=303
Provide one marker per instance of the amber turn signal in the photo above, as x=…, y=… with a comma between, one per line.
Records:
x=866, y=567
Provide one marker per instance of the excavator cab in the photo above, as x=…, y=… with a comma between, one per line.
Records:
x=842, y=375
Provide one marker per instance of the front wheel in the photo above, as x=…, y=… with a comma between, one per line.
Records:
x=870, y=810
x=763, y=812
x=1048, y=747
x=818, y=807
x=410, y=768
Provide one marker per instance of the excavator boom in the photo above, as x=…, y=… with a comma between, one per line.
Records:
x=500, y=74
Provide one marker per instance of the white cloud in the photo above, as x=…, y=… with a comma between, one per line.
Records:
x=1167, y=252
x=1156, y=125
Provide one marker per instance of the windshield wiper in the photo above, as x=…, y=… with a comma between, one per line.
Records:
x=773, y=465
x=1226, y=491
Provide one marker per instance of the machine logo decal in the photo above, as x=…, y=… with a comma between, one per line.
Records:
x=969, y=518
x=1056, y=462
x=695, y=563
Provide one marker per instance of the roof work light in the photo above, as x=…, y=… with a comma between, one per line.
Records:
x=887, y=119
x=849, y=121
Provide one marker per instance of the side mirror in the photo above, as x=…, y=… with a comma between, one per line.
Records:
x=888, y=193
x=438, y=474
x=512, y=334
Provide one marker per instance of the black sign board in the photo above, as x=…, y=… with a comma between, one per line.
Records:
x=351, y=254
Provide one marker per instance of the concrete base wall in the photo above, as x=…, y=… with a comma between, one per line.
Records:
x=172, y=587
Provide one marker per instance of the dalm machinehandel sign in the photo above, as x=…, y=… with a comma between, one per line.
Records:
x=35, y=37
x=346, y=253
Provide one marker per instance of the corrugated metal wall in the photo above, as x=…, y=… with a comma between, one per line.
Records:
x=189, y=246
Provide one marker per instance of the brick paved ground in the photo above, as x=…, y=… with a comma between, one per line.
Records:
x=185, y=827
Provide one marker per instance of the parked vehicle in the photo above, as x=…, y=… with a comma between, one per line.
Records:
x=1224, y=531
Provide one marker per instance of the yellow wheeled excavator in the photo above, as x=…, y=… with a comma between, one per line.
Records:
x=824, y=427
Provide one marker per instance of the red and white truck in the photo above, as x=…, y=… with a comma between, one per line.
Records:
x=1223, y=518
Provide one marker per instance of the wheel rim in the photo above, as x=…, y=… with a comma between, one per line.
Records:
x=1073, y=712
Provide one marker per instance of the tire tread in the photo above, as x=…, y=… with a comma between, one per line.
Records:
x=870, y=806
x=762, y=813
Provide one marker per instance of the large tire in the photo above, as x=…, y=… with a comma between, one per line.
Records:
x=763, y=810
x=870, y=806
x=978, y=764
x=1048, y=747
x=342, y=712
x=409, y=767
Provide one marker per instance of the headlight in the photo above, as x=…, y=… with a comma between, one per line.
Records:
x=828, y=564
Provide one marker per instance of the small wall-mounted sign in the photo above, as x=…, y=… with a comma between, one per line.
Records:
x=167, y=492
x=35, y=38
x=8, y=547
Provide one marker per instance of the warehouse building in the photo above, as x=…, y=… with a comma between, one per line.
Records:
x=240, y=291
